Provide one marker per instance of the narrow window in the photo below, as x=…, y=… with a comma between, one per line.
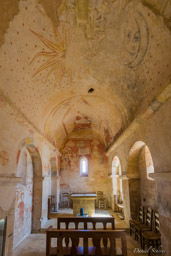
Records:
x=83, y=167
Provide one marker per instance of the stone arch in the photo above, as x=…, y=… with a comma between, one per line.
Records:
x=23, y=203
x=149, y=163
x=132, y=181
x=147, y=184
x=133, y=157
x=139, y=167
x=54, y=179
x=117, y=191
x=28, y=191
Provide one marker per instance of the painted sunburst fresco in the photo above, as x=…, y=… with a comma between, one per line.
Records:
x=55, y=56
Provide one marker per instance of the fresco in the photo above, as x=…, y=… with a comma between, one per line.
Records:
x=59, y=53
x=100, y=21
x=23, y=213
x=94, y=151
x=136, y=40
x=83, y=142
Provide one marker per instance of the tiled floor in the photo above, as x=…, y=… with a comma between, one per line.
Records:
x=35, y=244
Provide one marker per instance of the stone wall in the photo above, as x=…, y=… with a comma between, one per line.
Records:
x=147, y=185
x=155, y=133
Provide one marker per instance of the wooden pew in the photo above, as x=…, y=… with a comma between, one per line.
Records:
x=93, y=242
x=86, y=220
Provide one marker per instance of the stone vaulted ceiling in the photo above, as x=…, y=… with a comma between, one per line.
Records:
x=104, y=60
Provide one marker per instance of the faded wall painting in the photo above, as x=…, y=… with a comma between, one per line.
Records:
x=23, y=201
x=82, y=142
x=23, y=213
x=73, y=151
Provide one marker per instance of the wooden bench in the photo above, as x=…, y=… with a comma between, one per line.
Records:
x=86, y=220
x=86, y=242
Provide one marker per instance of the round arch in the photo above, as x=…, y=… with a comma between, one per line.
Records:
x=117, y=191
x=28, y=205
x=139, y=167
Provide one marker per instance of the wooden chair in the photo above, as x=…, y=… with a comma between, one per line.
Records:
x=64, y=200
x=53, y=203
x=93, y=242
x=146, y=226
x=51, y=208
x=134, y=222
x=152, y=238
x=101, y=200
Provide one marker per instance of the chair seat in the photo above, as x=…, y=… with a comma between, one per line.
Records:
x=80, y=251
x=142, y=227
x=151, y=235
x=135, y=222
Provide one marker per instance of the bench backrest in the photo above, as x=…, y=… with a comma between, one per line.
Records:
x=156, y=222
x=141, y=214
x=85, y=221
x=107, y=237
x=149, y=215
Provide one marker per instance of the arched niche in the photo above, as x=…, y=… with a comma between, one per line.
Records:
x=28, y=204
x=148, y=163
x=133, y=158
x=148, y=191
x=139, y=167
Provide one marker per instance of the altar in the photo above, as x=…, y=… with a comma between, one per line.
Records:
x=86, y=201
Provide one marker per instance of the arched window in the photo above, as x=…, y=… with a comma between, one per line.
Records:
x=83, y=167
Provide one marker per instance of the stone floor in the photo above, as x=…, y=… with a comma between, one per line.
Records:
x=35, y=244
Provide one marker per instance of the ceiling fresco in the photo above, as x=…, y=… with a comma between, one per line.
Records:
x=60, y=60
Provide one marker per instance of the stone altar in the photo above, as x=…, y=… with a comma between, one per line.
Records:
x=86, y=201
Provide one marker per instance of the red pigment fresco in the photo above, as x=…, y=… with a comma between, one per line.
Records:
x=101, y=150
x=80, y=126
x=74, y=149
x=21, y=207
x=107, y=136
x=63, y=185
x=82, y=122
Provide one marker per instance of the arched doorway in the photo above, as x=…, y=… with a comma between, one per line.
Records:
x=28, y=204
